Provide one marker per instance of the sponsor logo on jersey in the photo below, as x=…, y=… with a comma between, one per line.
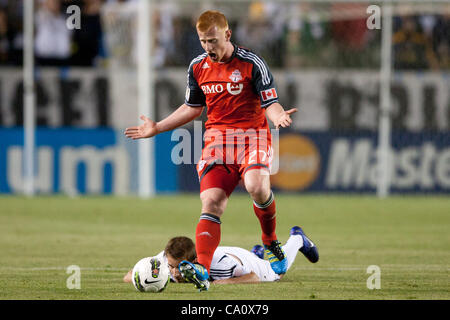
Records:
x=269, y=94
x=234, y=88
x=205, y=65
x=236, y=76
x=212, y=88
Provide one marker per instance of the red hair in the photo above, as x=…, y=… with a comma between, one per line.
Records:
x=210, y=19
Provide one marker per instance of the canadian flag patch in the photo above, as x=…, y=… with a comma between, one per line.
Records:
x=269, y=94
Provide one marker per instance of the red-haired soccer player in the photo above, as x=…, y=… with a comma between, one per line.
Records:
x=239, y=91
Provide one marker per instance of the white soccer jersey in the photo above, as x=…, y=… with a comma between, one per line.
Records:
x=162, y=256
x=229, y=262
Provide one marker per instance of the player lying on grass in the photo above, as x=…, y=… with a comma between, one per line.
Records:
x=231, y=264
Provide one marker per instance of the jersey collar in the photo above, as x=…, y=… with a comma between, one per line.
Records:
x=232, y=55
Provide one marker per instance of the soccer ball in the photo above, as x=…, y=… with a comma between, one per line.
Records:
x=150, y=274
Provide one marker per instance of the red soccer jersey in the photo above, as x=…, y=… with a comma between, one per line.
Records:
x=235, y=92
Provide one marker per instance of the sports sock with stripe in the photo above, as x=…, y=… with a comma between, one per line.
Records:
x=207, y=238
x=266, y=214
x=293, y=244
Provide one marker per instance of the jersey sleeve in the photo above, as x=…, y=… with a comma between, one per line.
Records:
x=227, y=267
x=163, y=257
x=263, y=82
x=194, y=94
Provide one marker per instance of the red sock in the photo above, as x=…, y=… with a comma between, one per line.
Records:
x=207, y=238
x=266, y=215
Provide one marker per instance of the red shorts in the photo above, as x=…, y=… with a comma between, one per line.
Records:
x=222, y=165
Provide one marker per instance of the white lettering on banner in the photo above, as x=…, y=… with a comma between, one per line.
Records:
x=94, y=159
x=44, y=174
x=354, y=165
x=347, y=169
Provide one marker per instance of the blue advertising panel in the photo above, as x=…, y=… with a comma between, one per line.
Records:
x=82, y=161
x=348, y=162
x=103, y=161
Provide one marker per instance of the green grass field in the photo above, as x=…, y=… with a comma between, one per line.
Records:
x=407, y=237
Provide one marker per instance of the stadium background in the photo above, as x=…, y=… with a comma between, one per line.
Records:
x=323, y=56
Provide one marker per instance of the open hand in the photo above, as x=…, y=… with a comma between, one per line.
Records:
x=284, y=120
x=146, y=130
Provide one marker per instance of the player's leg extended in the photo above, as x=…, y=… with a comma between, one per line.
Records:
x=308, y=248
x=217, y=182
x=257, y=183
x=207, y=233
x=298, y=241
x=292, y=247
x=207, y=237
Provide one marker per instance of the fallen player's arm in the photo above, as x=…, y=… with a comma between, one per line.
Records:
x=127, y=277
x=246, y=278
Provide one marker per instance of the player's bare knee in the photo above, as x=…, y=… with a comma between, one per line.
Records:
x=213, y=202
x=213, y=207
x=257, y=185
x=259, y=193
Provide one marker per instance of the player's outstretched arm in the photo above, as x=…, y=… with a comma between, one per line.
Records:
x=246, y=278
x=280, y=118
x=150, y=128
x=146, y=130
